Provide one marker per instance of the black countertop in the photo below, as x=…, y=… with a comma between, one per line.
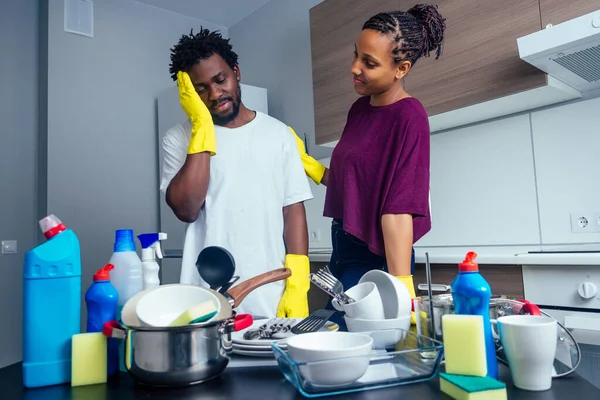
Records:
x=263, y=383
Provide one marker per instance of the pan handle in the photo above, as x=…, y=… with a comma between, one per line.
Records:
x=112, y=329
x=530, y=308
x=239, y=292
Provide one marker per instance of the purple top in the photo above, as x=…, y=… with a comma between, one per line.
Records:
x=381, y=166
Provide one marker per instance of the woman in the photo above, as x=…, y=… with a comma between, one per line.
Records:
x=378, y=181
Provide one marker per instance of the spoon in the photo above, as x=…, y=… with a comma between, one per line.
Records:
x=217, y=266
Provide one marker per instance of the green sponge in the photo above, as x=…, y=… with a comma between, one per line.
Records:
x=88, y=359
x=463, y=387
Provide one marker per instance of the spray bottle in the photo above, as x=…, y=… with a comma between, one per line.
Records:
x=150, y=243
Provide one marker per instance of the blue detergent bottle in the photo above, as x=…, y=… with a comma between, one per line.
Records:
x=101, y=301
x=51, y=305
x=471, y=295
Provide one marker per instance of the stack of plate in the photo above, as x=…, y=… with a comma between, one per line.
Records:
x=262, y=347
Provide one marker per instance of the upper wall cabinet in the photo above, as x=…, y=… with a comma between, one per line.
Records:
x=480, y=60
x=479, y=75
x=334, y=27
x=558, y=11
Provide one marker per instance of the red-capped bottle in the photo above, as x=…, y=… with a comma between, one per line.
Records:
x=101, y=301
x=471, y=294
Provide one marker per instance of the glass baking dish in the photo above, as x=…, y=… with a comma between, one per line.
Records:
x=399, y=357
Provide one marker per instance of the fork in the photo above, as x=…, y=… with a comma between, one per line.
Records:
x=324, y=286
x=336, y=286
x=257, y=333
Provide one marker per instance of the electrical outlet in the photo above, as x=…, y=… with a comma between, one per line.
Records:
x=9, y=247
x=585, y=222
x=314, y=236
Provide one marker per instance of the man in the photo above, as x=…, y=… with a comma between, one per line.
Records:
x=235, y=176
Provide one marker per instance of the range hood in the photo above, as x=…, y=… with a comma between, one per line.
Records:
x=568, y=52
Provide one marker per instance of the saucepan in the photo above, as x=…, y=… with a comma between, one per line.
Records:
x=189, y=354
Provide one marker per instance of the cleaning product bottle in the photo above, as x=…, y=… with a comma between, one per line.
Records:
x=51, y=305
x=101, y=300
x=471, y=295
x=126, y=277
x=127, y=274
x=150, y=243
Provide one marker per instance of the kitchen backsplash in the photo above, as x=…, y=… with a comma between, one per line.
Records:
x=510, y=181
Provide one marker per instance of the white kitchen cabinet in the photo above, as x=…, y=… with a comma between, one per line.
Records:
x=566, y=141
x=483, y=186
x=319, y=227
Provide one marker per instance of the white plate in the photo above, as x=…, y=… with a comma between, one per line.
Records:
x=253, y=347
x=238, y=337
x=394, y=295
x=253, y=353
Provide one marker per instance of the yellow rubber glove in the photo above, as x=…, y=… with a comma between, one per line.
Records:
x=294, y=302
x=203, y=128
x=408, y=282
x=314, y=169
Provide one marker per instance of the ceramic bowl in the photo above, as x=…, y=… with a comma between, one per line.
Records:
x=334, y=358
x=367, y=302
x=394, y=295
x=370, y=325
x=160, y=306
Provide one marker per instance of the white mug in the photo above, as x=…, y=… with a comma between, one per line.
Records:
x=367, y=303
x=529, y=343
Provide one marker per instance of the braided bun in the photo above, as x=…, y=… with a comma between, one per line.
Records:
x=434, y=26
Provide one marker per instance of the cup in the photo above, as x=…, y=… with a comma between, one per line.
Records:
x=367, y=305
x=529, y=343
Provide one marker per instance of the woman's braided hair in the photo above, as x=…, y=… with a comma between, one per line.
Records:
x=416, y=32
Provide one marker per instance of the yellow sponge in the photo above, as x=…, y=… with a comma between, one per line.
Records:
x=195, y=314
x=464, y=344
x=89, y=358
x=462, y=387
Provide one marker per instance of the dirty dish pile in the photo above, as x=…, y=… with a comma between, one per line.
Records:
x=382, y=303
x=256, y=340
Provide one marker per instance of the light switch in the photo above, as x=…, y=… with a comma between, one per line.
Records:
x=9, y=246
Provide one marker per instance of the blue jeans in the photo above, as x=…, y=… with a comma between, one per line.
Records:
x=350, y=260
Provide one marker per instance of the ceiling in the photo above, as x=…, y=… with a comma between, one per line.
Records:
x=221, y=12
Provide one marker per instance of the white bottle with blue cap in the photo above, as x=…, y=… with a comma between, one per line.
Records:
x=150, y=243
x=127, y=275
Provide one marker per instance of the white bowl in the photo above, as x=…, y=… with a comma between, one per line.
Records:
x=387, y=338
x=370, y=325
x=394, y=294
x=160, y=306
x=334, y=346
x=367, y=302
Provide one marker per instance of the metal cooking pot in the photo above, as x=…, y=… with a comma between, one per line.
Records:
x=189, y=354
x=443, y=304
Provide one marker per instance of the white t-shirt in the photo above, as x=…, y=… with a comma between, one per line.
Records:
x=256, y=172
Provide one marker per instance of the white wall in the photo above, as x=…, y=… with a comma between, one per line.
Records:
x=527, y=174
x=18, y=161
x=567, y=158
x=483, y=185
x=273, y=45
